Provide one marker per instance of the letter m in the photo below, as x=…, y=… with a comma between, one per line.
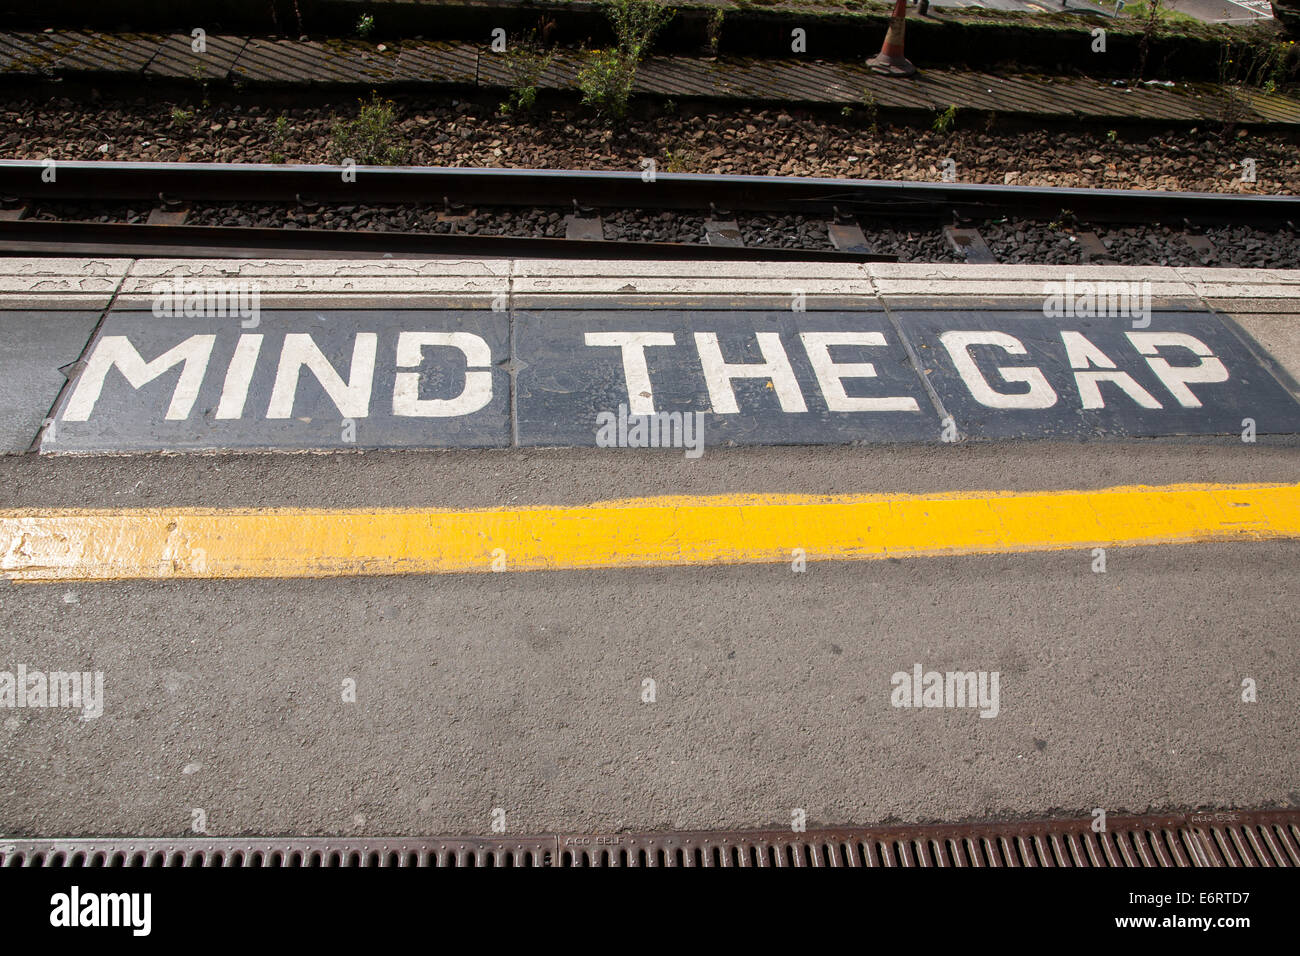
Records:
x=117, y=350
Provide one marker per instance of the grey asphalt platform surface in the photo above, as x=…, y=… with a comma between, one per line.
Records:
x=523, y=691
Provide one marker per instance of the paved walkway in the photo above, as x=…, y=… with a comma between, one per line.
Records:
x=414, y=64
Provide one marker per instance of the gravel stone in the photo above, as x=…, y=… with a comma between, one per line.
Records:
x=789, y=141
x=793, y=142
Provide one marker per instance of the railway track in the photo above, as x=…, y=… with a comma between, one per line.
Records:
x=48, y=210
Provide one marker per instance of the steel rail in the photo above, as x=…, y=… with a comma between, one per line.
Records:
x=231, y=182
x=30, y=237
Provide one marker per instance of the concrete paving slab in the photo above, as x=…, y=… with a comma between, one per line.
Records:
x=566, y=268
x=559, y=301
x=998, y=287
x=58, y=283
x=1278, y=334
x=324, y=284
x=690, y=285
x=312, y=268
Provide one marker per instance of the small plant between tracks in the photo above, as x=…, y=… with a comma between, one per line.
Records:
x=945, y=121
x=606, y=76
x=371, y=139
x=526, y=62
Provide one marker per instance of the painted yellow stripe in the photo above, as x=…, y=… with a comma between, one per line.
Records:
x=635, y=532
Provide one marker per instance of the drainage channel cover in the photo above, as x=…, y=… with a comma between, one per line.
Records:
x=1267, y=838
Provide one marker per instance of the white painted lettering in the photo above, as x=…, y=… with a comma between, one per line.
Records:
x=1084, y=355
x=1176, y=377
x=640, y=397
x=830, y=375
x=1040, y=393
x=117, y=350
x=477, y=392
x=352, y=398
x=776, y=366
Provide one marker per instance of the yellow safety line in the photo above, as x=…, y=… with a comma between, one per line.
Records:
x=111, y=544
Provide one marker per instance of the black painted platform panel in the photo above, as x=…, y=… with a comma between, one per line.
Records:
x=565, y=384
x=1248, y=392
x=130, y=419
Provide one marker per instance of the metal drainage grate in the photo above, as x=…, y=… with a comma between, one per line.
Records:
x=1205, y=839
